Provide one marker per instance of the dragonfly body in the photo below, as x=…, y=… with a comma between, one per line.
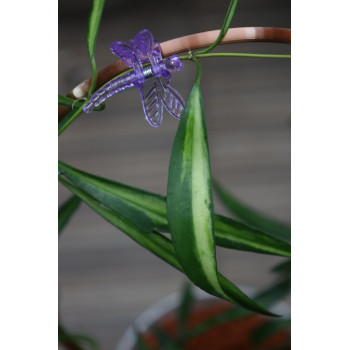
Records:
x=153, y=81
x=114, y=86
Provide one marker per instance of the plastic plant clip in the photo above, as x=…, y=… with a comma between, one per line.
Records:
x=153, y=81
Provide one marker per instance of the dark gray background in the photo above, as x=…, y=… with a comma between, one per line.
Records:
x=106, y=279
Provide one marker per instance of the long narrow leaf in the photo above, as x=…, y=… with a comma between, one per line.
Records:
x=154, y=242
x=283, y=268
x=274, y=293
x=159, y=245
x=268, y=329
x=185, y=307
x=234, y=235
x=250, y=216
x=228, y=232
x=100, y=192
x=66, y=210
x=190, y=207
x=164, y=339
x=189, y=200
x=268, y=298
x=152, y=205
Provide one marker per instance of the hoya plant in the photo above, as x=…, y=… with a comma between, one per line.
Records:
x=180, y=226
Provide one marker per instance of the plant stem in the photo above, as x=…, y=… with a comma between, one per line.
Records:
x=199, y=69
x=91, y=36
x=227, y=21
x=94, y=77
x=68, y=120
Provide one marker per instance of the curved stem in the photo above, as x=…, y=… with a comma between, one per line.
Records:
x=227, y=22
x=199, y=69
x=94, y=77
x=184, y=44
x=65, y=122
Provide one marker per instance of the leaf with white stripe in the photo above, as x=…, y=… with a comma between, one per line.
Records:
x=158, y=244
x=189, y=200
x=228, y=232
x=101, y=192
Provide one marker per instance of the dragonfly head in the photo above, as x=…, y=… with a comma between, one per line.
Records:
x=173, y=63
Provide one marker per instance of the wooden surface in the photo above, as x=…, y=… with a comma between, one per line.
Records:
x=106, y=279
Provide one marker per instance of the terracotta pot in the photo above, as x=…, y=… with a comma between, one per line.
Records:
x=226, y=336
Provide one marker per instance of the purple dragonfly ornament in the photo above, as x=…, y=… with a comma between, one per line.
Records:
x=153, y=81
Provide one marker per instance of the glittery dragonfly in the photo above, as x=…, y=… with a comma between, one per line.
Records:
x=153, y=81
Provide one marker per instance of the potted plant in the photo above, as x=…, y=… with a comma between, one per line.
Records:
x=181, y=228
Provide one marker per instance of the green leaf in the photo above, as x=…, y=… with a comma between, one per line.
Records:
x=250, y=216
x=240, y=298
x=93, y=26
x=225, y=26
x=98, y=190
x=151, y=204
x=228, y=232
x=75, y=341
x=234, y=235
x=165, y=340
x=283, y=268
x=190, y=206
x=158, y=245
x=154, y=242
x=269, y=329
x=268, y=298
x=189, y=200
x=274, y=294
x=230, y=315
x=66, y=210
x=186, y=304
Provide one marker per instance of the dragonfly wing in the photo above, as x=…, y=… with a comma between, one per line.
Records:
x=171, y=98
x=152, y=102
x=143, y=44
x=124, y=51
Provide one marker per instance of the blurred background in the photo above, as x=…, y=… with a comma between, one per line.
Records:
x=106, y=279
